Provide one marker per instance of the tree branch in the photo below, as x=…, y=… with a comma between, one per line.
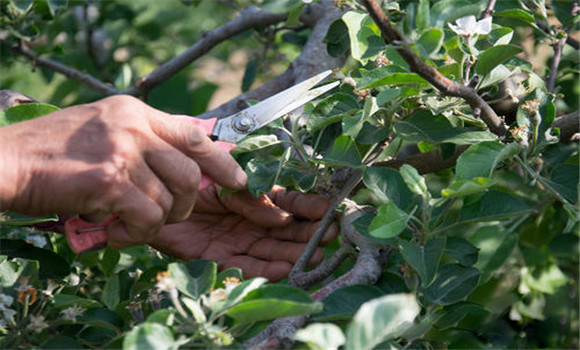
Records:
x=489, y=9
x=367, y=270
x=440, y=82
x=249, y=18
x=558, y=48
x=63, y=69
x=427, y=162
x=313, y=59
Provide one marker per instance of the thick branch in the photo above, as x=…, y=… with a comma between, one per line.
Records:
x=425, y=163
x=568, y=124
x=440, y=82
x=249, y=18
x=367, y=270
x=58, y=67
x=313, y=59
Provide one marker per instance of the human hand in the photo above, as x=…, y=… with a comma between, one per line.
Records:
x=263, y=236
x=117, y=155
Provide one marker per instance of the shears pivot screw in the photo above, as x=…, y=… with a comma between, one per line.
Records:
x=242, y=124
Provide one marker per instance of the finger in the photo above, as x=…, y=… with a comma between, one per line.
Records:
x=308, y=206
x=259, y=210
x=274, y=250
x=179, y=174
x=302, y=232
x=213, y=161
x=139, y=219
x=252, y=267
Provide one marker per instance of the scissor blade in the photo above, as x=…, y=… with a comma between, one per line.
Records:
x=236, y=127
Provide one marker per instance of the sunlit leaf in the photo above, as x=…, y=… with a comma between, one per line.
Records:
x=149, y=336
x=494, y=56
x=365, y=40
x=480, y=160
x=321, y=336
x=381, y=319
x=389, y=222
x=194, y=278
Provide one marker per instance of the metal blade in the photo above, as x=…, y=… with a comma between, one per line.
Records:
x=237, y=126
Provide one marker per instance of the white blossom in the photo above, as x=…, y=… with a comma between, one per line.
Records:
x=71, y=313
x=36, y=240
x=37, y=323
x=469, y=26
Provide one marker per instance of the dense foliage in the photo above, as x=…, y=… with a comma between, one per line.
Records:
x=480, y=228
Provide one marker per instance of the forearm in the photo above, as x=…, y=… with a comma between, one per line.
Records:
x=9, y=169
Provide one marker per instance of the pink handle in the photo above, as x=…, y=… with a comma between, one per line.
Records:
x=85, y=236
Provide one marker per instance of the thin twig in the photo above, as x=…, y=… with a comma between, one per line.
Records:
x=69, y=72
x=249, y=18
x=558, y=48
x=436, y=79
x=489, y=9
x=297, y=271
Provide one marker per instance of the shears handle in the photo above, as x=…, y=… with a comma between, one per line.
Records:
x=86, y=236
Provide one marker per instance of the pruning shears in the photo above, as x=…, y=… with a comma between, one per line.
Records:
x=83, y=236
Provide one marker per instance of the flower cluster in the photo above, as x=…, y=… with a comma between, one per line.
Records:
x=221, y=294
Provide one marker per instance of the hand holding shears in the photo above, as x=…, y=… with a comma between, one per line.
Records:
x=83, y=235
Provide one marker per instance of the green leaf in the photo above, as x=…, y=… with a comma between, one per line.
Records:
x=494, y=205
x=423, y=18
x=111, y=292
x=564, y=179
x=462, y=250
x=250, y=74
x=343, y=153
x=60, y=342
x=337, y=39
x=451, y=315
x=62, y=301
x=414, y=181
x=25, y=112
x=430, y=41
x=365, y=40
x=52, y=265
x=321, y=336
x=501, y=35
x=232, y=272
x=424, y=259
x=480, y=160
x=388, y=184
x=330, y=110
x=498, y=74
x=145, y=336
x=380, y=320
x=294, y=178
x=123, y=80
x=240, y=291
x=518, y=14
x=544, y=279
x=55, y=6
x=273, y=301
x=389, y=222
x=16, y=219
x=253, y=143
x=387, y=95
x=262, y=176
x=444, y=11
x=109, y=261
x=462, y=188
x=495, y=245
x=492, y=57
x=453, y=283
x=22, y=6
x=424, y=126
x=194, y=278
x=343, y=303
x=101, y=317
x=386, y=77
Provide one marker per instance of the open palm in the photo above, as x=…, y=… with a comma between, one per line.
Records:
x=263, y=236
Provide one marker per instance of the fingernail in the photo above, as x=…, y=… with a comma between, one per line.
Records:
x=241, y=177
x=285, y=215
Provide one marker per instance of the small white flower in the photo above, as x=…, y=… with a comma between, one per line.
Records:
x=469, y=26
x=71, y=313
x=6, y=299
x=50, y=287
x=164, y=282
x=230, y=283
x=37, y=323
x=74, y=279
x=7, y=313
x=36, y=240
